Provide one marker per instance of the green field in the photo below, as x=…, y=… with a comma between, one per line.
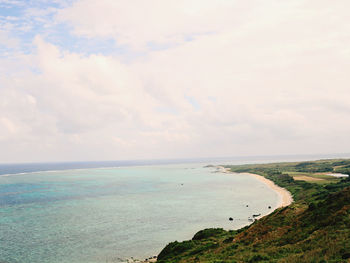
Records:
x=315, y=228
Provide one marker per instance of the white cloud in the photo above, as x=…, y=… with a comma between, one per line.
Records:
x=140, y=23
x=155, y=22
x=260, y=77
x=7, y=41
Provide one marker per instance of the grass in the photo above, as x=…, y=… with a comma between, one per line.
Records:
x=315, y=228
x=318, y=178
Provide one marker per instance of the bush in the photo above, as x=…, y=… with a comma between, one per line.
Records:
x=312, y=206
x=210, y=232
x=175, y=248
x=257, y=258
x=204, y=247
x=228, y=240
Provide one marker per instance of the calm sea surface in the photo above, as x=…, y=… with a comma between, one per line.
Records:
x=109, y=214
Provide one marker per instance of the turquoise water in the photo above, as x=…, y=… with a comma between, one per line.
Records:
x=107, y=215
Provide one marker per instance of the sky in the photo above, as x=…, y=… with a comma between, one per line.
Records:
x=85, y=80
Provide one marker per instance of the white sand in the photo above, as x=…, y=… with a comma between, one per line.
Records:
x=285, y=196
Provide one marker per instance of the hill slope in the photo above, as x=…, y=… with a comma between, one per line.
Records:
x=315, y=228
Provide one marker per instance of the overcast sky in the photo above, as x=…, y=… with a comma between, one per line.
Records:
x=143, y=79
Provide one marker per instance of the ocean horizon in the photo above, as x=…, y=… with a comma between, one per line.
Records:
x=33, y=167
x=72, y=213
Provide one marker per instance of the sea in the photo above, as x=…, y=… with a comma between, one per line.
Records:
x=99, y=212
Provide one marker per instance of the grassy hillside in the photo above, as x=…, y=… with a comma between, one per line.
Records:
x=315, y=228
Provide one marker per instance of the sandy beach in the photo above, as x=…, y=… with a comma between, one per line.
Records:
x=285, y=196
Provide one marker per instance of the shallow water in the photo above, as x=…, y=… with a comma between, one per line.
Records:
x=105, y=215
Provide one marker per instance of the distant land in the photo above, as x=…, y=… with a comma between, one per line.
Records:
x=13, y=168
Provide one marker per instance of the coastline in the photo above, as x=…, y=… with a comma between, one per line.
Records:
x=255, y=243
x=285, y=196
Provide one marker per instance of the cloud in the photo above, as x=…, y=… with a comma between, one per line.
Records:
x=69, y=100
x=7, y=41
x=214, y=78
x=141, y=24
x=146, y=24
x=96, y=89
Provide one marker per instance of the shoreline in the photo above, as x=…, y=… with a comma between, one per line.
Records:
x=285, y=196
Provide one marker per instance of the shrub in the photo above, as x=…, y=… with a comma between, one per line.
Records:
x=257, y=258
x=210, y=232
x=228, y=240
x=174, y=249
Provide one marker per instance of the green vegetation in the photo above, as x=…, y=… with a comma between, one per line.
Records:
x=285, y=174
x=315, y=228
